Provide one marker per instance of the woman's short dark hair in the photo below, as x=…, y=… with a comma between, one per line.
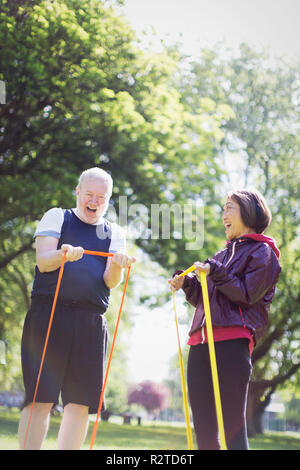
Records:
x=255, y=212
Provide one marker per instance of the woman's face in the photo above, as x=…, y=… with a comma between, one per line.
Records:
x=232, y=221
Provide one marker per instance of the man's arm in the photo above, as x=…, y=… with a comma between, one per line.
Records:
x=49, y=258
x=114, y=269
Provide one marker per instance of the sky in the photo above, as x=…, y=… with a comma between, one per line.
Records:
x=271, y=24
x=154, y=341
x=199, y=23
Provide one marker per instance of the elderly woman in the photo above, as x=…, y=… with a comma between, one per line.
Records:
x=241, y=282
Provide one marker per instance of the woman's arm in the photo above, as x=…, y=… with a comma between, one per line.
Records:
x=189, y=284
x=259, y=277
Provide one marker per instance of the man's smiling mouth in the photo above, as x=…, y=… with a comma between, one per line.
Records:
x=91, y=210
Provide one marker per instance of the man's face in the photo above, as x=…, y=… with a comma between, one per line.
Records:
x=92, y=199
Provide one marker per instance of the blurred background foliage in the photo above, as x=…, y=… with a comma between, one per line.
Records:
x=81, y=91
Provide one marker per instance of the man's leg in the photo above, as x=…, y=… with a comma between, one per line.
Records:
x=38, y=425
x=73, y=428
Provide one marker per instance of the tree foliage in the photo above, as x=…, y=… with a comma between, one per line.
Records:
x=262, y=138
x=79, y=93
x=152, y=396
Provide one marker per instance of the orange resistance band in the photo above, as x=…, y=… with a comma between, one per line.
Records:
x=98, y=253
x=108, y=364
x=88, y=252
x=45, y=345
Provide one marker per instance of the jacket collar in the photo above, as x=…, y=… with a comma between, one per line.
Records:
x=258, y=237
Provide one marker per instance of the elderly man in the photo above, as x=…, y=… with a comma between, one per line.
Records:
x=75, y=359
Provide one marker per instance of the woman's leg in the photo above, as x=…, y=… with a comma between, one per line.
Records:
x=201, y=398
x=234, y=371
x=234, y=376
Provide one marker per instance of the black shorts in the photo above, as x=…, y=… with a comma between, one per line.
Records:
x=74, y=363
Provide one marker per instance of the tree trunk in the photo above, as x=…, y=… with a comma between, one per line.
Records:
x=259, y=396
x=105, y=415
x=254, y=415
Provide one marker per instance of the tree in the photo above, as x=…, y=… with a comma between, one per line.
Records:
x=262, y=138
x=152, y=396
x=55, y=75
x=292, y=412
x=80, y=93
x=15, y=282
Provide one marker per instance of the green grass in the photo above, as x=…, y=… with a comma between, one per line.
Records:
x=276, y=441
x=157, y=436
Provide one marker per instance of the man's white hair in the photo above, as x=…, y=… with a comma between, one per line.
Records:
x=97, y=173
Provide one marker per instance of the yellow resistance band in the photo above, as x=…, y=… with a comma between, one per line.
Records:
x=183, y=386
x=213, y=362
x=212, y=355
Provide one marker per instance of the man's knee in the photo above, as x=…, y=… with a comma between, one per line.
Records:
x=74, y=408
x=39, y=408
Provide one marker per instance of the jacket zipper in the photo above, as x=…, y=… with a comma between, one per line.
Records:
x=232, y=254
x=203, y=334
x=203, y=327
x=242, y=316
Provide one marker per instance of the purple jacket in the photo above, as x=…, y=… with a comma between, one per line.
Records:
x=241, y=284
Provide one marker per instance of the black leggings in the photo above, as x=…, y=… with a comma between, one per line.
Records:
x=234, y=371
